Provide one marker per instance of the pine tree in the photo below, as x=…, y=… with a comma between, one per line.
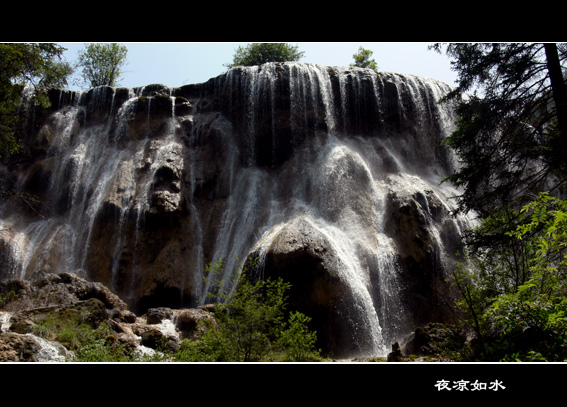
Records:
x=362, y=59
x=511, y=132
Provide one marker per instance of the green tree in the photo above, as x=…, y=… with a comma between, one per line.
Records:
x=494, y=265
x=102, y=64
x=38, y=66
x=511, y=132
x=528, y=312
x=362, y=59
x=511, y=140
x=250, y=324
x=261, y=53
x=297, y=340
x=252, y=318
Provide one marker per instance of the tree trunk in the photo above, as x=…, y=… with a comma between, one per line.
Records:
x=558, y=86
x=559, y=90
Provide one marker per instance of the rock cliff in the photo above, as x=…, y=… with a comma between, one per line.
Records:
x=329, y=175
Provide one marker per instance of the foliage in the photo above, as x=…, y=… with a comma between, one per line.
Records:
x=298, y=341
x=511, y=140
x=540, y=303
x=102, y=350
x=100, y=345
x=101, y=64
x=87, y=342
x=250, y=325
x=8, y=297
x=261, y=53
x=509, y=135
x=362, y=59
x=250, y=319
x=37, y=66
x=515, y=295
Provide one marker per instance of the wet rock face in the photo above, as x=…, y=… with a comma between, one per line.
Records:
x=301, y=255
x=426, y=238
x=329, y=175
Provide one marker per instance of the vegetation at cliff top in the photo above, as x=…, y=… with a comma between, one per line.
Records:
x=40, y=66
x=101, y=64
x=362, y=59
x=261, y=53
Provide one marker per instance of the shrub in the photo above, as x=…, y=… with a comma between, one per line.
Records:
x=515, y=295
x=250, y=324
x=297, y=341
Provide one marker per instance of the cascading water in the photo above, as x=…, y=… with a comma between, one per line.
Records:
x=88, y=167
x=337, y=170
x=339, y=176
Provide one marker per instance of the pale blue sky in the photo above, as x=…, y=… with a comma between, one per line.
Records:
x=180, y=63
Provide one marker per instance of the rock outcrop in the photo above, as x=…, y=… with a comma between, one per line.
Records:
x=32, y=311
x=301, y=255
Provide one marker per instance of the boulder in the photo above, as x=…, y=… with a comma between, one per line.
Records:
x=15, y=347
x=157, y=315
x=434, y=337
x=51, y=290
x=396, y=354
x=301, y=255
x=153, y=338
x=189, y=322
x=157, y=340
x=420, y=227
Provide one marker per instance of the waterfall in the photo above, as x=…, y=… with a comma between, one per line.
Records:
x=143, y=187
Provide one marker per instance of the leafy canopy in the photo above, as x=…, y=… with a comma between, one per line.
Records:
x=36, y=65
x=362, y=59
x=516, y=291
x=102, y=64
x=511, y=140
x=261, y=53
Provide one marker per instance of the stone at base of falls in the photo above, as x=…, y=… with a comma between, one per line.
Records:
x=302, y=256
x=433, y=338
x=396, y=354
x=59, y=290
x=15, y=347
x=27, y=303
x=426, y=237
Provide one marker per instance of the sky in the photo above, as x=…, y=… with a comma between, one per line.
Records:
x=180, y=63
